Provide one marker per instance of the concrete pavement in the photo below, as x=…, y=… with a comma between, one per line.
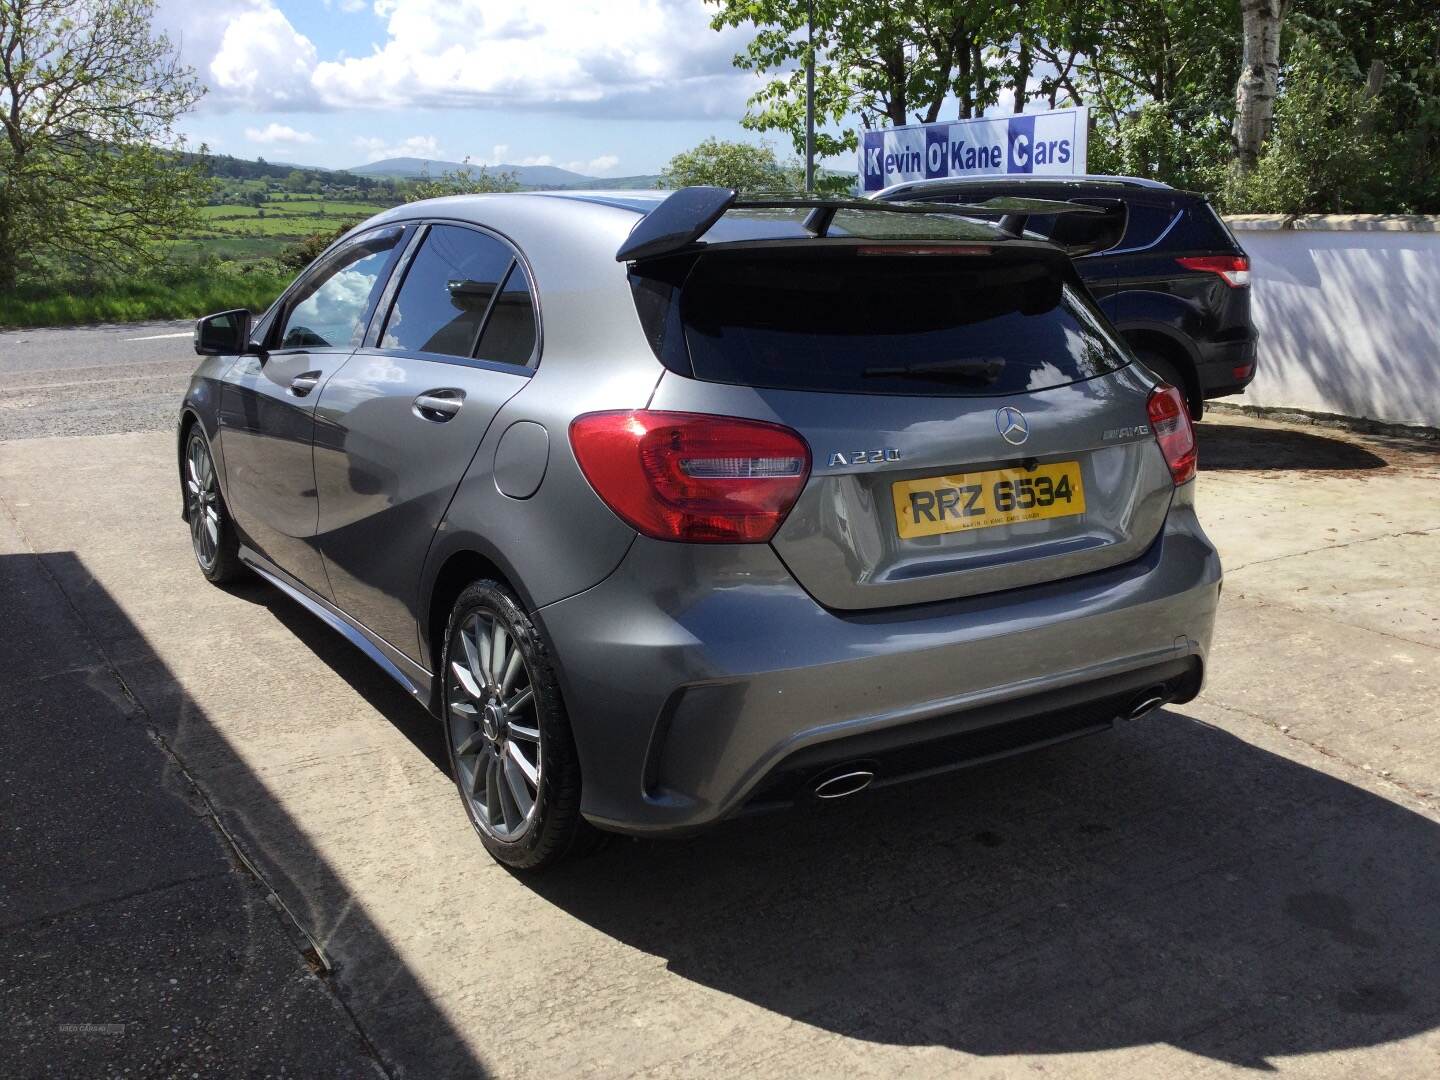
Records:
x=1245, y=883
x=133, y=939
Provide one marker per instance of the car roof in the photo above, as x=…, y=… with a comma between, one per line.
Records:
x=521, y=215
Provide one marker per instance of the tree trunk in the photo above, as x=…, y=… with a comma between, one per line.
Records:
x=964, y=86
x=1374, y=83
x=1023, y=63
x=896, y=107
x=8, y=254
x=1259, y=78
x=977, y=66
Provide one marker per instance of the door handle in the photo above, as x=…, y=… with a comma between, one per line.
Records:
x=438, y=406
x=303, y=383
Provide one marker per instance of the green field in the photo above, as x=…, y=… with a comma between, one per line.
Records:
x=173, y=294
x=234, y=231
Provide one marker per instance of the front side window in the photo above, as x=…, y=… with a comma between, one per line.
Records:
x=448, y=291
x=329, y=308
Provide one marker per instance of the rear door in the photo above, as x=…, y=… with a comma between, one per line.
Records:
x=973, y=424
x=267, y=403
x=398, y=426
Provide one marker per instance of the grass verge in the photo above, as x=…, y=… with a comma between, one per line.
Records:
x=176, y=294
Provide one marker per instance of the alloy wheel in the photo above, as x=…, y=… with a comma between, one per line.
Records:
x=202, y=498
x=494, y=727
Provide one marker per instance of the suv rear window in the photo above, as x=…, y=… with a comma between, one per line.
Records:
x=941, y=325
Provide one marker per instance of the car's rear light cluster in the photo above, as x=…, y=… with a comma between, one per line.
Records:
x=1170, y=422
x=1234, y=270
x=692, y=477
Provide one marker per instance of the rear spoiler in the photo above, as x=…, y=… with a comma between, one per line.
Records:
x=688, y=214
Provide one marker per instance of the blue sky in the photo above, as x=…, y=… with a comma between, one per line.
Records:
x=606, y=87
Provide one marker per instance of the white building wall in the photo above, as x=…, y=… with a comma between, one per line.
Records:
x=1348, y=311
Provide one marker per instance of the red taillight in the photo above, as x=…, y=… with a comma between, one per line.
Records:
x=1170, y=422
x=1234, y=270
x=687, y=476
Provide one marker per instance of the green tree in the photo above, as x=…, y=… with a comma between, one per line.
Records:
x=885, y=61
x=739, y=165
x=89, y=97
x=466, y=180
x=1395, y=46
x=1323, y=154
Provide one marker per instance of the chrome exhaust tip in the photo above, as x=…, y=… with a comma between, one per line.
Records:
x=1146, y=702
x=839, y=785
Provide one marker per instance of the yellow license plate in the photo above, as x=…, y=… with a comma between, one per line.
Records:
x=946, y=504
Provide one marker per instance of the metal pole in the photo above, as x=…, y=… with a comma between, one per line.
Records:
x=809, y=96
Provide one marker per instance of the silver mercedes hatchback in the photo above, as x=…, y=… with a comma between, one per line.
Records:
x=677, y=506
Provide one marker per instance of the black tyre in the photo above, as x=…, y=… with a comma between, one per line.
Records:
x=1168, y=371
x=212, y=534
x=507, y=734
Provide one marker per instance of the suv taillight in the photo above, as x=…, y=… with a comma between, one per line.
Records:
x=692, y=477
x=1170, y=421
x=1234, y=270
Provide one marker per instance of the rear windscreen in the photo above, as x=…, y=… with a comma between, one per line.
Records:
x=962, y=325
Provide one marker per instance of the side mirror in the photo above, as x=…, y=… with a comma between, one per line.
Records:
x=225, y=334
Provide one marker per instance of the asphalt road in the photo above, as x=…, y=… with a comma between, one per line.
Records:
x=1245, y=883
x=93, y=380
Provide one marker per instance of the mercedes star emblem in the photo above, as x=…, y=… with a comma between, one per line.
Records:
x=1011, y=424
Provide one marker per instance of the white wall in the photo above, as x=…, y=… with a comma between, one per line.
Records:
x=1348, y=310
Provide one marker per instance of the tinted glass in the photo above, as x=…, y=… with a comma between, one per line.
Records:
x=447, y=290
x=1200, y=229
x=933, y=325
x=1146, y=225
x=509, y=335
x=332, y=304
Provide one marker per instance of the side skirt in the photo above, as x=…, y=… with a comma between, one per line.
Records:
x=417, y=682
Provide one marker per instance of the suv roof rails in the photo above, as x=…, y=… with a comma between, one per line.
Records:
x=681, y=219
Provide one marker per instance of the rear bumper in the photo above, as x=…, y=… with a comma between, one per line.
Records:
x=702, y=680
x=1226, y=367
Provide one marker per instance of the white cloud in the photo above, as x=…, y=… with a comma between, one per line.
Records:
x=417, y=146
x=631, y=58
x=278, y=133
x=263, y=62
x=637, y=57
x=596, y=166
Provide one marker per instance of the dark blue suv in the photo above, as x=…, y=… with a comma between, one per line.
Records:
x=1160, y=263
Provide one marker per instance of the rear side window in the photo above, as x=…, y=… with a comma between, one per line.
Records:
x=1200, y=229
x=1147, y=224
x=937, y=325
x=454, y=287
x=509, y=336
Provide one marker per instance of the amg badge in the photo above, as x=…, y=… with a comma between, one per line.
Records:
x=1125, y=432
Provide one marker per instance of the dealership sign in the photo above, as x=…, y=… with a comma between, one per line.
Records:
x=1041, y=144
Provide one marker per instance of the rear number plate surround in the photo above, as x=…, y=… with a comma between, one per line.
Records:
x=959, y=502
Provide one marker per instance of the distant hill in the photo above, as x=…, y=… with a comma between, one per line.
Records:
x=527, y=176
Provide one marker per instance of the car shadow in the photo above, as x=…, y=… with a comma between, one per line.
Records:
x=1167, y=883
x=1242, y=446
x=416, y=1035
